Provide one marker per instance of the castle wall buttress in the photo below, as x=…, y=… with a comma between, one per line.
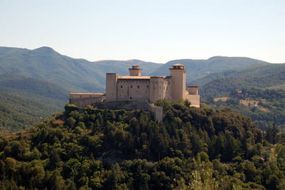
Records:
x=111, y=86
x=158, y=87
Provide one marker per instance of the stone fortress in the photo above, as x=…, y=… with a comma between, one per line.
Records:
x=138, y=88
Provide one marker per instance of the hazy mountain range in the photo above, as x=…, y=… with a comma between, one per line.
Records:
x=43, y=77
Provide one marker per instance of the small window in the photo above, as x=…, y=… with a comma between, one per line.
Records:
x=131, y=86
x=138, y=86
x=121, y=86
x=131, y=97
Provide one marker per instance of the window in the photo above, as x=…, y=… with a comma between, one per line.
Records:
x=138, y=86
x=131, y=86
x=131, y=97
x=121, y=86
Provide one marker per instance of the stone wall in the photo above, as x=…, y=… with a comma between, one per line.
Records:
x=84, y=99
x=133, y=90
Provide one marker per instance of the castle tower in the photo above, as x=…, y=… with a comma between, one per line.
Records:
x=111, y=86
x=135, y=70
x=157, y=88
x=178, y=82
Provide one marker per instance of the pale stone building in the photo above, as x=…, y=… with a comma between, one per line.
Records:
x=138, y=88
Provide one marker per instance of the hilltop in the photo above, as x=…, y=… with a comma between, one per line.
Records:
x=119, y=149
x=38, y=81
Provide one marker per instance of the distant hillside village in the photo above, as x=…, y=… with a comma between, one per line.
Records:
x=139, y=88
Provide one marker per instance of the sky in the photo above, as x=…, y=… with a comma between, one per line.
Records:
x=150, y=30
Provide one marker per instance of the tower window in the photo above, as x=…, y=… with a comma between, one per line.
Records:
x=138, y=86
x=121, y=86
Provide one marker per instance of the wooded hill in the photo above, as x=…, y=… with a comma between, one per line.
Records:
x=257, y=92
x=118, y=149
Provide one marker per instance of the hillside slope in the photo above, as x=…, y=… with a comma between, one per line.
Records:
x=258, y=92
x=119, y=149
x=25, y=101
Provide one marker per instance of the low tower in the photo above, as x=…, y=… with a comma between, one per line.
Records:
x=135, y=70
x=111, y=86
x=178, y=82
x=157, y=89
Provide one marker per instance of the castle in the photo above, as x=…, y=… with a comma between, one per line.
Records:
x=138, y=88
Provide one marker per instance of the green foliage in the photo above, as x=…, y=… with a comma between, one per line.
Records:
x=21, y=109
x=116, y=149
x=263, y=83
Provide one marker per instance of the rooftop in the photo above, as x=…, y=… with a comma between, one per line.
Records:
x=134, y=77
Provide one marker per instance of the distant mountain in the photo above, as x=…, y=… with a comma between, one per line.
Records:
x=35, y=83
x=72, y=74
x=39, y=80
x=109, y=66
x=197, y=69
x=265, y=77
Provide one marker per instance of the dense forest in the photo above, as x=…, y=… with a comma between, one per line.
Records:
x=191, y=148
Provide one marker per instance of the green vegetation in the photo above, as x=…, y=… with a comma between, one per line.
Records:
x=19, y=111
x=262, y=84
x=269, y=110
x=118, y=149
x=25, y=101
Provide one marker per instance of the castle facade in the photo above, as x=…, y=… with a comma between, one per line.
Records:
x=138, y=88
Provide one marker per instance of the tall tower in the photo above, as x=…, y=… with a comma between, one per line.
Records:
x=178, y=82
x=135, y=70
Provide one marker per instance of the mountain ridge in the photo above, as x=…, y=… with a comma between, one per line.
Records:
x=44, y=71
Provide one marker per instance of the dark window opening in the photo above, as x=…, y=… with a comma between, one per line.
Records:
x=121, y=86
x=138, y=86
x=131, y=97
